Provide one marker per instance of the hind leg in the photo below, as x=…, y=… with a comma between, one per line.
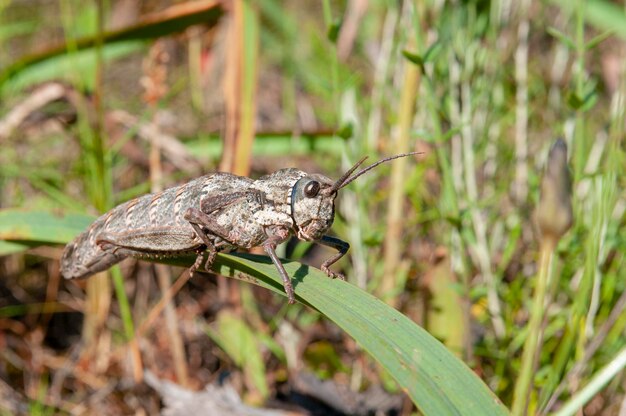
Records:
x=210, y=250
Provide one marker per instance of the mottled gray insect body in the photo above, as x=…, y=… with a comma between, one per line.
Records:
x=214, y=213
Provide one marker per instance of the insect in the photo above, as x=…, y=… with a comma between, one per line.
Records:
x=214, y=213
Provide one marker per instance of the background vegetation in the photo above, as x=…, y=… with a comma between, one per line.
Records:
x=103, y=101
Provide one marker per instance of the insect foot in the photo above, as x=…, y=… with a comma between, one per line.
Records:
x=333, y=275
x=214, y=213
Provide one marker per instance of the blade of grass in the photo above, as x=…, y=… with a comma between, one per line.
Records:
x=61, y=66
x=248, y=86
x=171, y=20
x=437, y=381
x=520, y=186
x=240, y=89
x=524, y=382
x=275, y=144
x=9, y=247
x=127, y=321
x=395, y=209
x=602, y=14
x=41, y=227
x=242, y=344
x=595, y=385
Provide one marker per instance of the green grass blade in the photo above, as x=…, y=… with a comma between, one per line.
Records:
x=39, y=227
x=595, y=385
x=172, y=20
x=240, y=342
x=437, y=381
x=9, y=247
x=61, y=66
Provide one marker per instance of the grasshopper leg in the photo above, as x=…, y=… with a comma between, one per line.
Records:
x=341, y=246
x=211, y=253
x=270, y=248
x=198, y=219
x=210, y=247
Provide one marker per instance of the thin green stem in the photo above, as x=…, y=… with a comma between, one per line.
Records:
x=120, y=292
x=532, y=345
x=579, y=78
x=334, y=64
x=596, y=384
x=127, y=321
x=101, y=197
x=393, y=235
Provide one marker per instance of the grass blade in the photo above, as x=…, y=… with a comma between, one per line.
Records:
x=174, y=19
x=40, y=227
x=437, y=381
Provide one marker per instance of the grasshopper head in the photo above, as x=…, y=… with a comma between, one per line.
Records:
x=313, y=199
x=313, y=206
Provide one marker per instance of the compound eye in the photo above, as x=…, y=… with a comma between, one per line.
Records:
x=311, y=189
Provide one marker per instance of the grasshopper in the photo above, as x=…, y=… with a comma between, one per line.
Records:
x=216, y=212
